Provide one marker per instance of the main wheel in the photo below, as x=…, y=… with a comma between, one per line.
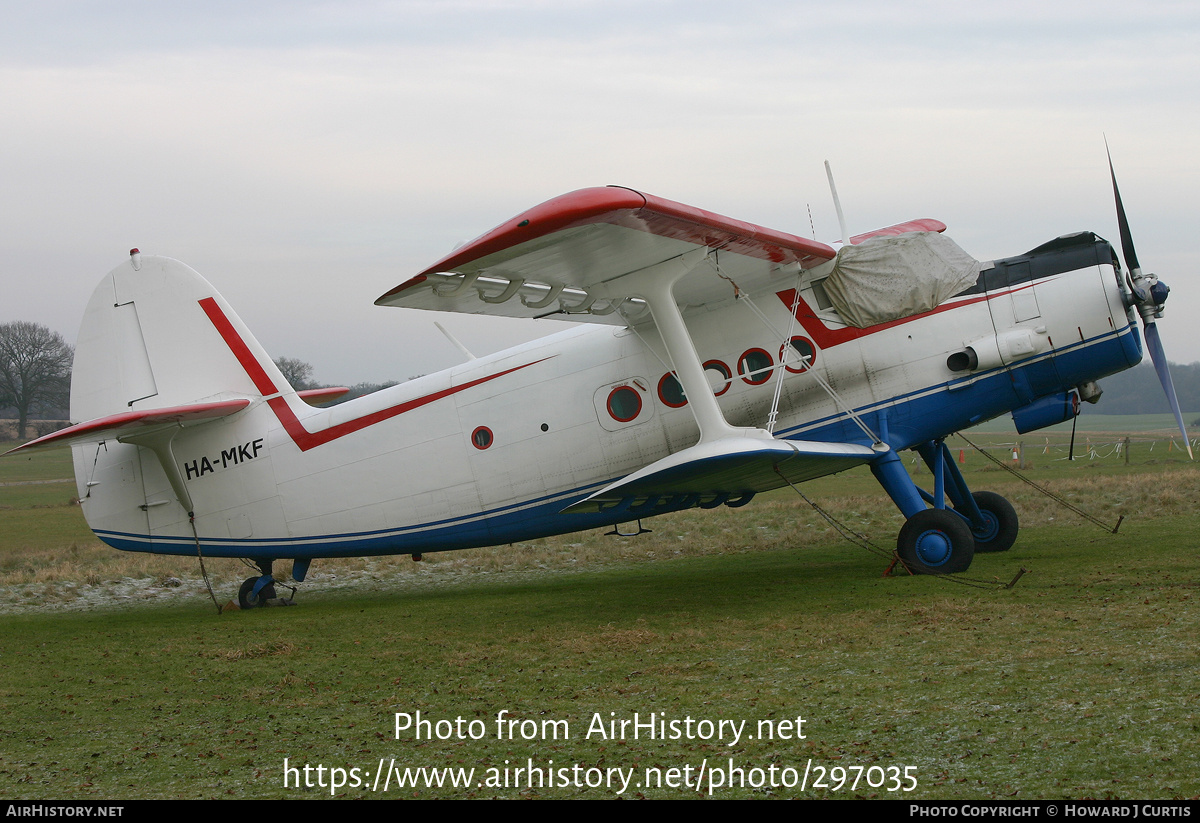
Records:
x=936, y=541
x=248, y=600
x=1000, y=530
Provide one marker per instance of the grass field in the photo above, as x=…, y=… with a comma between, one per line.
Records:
x=1080, y=681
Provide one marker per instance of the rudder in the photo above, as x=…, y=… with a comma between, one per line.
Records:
x=149, y=340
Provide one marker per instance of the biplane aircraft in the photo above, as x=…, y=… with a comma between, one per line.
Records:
x=713, y=360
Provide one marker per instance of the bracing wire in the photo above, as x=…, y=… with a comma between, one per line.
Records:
x=200, y=554
x=1002, y=464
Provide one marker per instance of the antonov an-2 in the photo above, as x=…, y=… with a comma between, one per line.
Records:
x=714, y=359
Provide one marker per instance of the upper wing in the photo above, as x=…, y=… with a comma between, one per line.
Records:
x=921, y=224
x=550, y=259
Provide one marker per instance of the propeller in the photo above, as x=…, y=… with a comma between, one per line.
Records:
x=1149, y=295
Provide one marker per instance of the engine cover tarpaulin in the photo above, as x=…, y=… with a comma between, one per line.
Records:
x=886, y=278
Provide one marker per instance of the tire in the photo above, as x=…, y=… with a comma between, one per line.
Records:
x=936, y=541
x=1002, y=524
x=247, y=600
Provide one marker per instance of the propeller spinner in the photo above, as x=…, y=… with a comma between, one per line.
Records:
x=1149, y=295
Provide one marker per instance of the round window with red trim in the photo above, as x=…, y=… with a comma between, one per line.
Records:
x=721, y=376
x=754, y=366
x=803, y=355
x=624, y=404
x=481, y=438
x=670, y=392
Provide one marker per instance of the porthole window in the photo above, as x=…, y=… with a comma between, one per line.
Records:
x=481, y=438
x=670, y=392
x=624, y=404
x=754, y=366
x=802, y=355
x=719, y=376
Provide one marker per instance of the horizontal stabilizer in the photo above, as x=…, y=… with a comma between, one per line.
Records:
x=142, y=422
x=728, y=468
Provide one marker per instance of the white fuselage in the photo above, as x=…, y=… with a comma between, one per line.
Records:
x=490, y=451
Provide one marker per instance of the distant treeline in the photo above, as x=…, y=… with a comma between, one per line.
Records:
x=1137, y=391
x=359, y=389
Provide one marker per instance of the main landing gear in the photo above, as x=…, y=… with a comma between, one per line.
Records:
x=257, y=592
x=942, y=540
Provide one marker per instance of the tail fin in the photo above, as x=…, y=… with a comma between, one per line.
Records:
x=157, y=335
x=159, y=350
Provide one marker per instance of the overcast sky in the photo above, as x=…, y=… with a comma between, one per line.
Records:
x=306, y=157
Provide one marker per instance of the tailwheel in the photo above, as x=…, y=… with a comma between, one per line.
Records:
x=936, y=541
x=1000, y=527
x=247, y=599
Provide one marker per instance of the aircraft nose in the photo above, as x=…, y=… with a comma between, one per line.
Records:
x=1158, y=293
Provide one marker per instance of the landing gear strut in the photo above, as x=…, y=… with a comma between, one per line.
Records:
x=942, y=540
x=1000, y=525
x=248, y=598
x=256, y=591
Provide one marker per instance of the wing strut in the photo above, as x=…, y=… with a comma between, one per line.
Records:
x=727, y=462
x=654, y=284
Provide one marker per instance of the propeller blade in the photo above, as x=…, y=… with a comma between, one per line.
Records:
x=1149, y=295
x=1154, y=344
x=1131, y=261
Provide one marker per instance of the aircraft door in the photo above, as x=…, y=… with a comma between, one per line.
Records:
x=1023, y=342
x=1023, y=295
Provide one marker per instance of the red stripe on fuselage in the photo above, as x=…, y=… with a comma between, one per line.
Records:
x=825, y=337
x=301, y=436
x=238, y=346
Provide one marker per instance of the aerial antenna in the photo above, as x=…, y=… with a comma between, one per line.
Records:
x=837, y=204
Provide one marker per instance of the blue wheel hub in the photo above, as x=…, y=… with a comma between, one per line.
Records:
x=933, y=547
x=990, y=528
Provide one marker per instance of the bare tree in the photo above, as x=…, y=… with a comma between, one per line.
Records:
x=296, y=372
x=35, y=370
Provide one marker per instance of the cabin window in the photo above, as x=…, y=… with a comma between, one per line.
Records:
x=670, y=392
x=754, y=366
x=802, y=355
x=624, y=404
x=481, y=438
x=819, y=294
x=719, y=376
